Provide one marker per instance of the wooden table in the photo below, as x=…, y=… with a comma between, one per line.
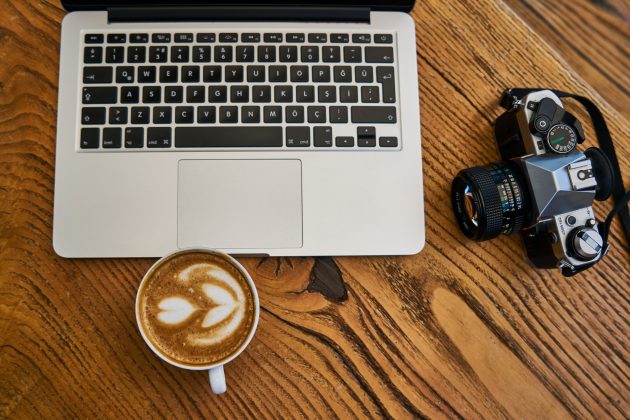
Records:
x=461, y=330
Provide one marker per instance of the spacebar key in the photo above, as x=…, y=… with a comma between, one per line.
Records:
x=228, y=136
x=374, y=114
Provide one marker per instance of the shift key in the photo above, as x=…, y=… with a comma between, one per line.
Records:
x=374, y=114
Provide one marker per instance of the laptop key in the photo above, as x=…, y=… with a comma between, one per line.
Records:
x=90, y=138
x=383, y=38
x=322, y=136
x=114, y=54
x=348, y=94
x=183, y=37
x=274, y=37
x=94, y=38
x=250, y=37
x=363, y=74
x=118, y=115
x=388, y=141
x=147, y=74
x=151, y=94
x=321, y=74
x=112, y=138
x=327, y=94
x=343, y=74
x=317, y=38
x=288, y=53
x=339, y=38
x=283, y=93
x=239, y=94
x=140, y=114
x=99, y=95
x=190, y=74
x=245, y=54
x=217, y=94
x=374, y=114
x=223, y=54
x=255, y=74
x=228, y=115
x=161, y=38
x=158, y=54
x=267, y=53
x=331, y=54
x=299, y=73
x=278, y=74
x=93, y=75
x=261, y=93
x=134, y=137
x=206, y=115
x=116, y=38
x=370, y=94
x=272, y=114
x=298, y=136
x=295, y=114
x=265, y=136
x=93, y=55
x=184, y=115
x=379, y=55
x=344, y=141
x=338, y=114
x=195, y=94
x=159, y=137
x=212, y=73
x=234, y=73
x=228, y=37
x=162, y=115
x=125, y=74
x=129, y=94
x=361, y=38
x=250, y=114
x=366, y=137
x=295, y=37
x=93, y=116
x=385, y=76
x=180, y=54
x=305, y=93
x=352, y=54
x=174, y=94
x=310, y=53
x=316, y=114
x=206, y=38
x=201, y=54
x=139, y=38
x=168, y=74
x=136, y=54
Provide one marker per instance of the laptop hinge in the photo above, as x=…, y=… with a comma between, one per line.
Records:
x=240, y=14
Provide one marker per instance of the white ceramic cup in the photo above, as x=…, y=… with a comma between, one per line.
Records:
x=215, y=371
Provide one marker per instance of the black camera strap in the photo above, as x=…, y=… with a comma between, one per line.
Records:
x=606, y=145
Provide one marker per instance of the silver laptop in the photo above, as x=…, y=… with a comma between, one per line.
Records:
x=254, y=128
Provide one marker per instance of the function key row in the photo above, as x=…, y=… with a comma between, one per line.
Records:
x=228, y=37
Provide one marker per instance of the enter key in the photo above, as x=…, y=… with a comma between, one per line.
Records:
x=385, y=76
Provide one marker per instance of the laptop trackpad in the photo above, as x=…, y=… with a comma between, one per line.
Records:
x=237, y=204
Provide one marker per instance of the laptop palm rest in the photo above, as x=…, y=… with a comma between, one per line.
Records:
x=239, y=204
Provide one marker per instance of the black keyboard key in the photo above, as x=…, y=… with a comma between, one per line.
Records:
x=352, y=54
x=117, y=115
x=168, y=74
x=294, y=114
x=162, y=115
x=206, y=115
x=116, y=38
x=239, y=94
x=158, y=54
x=114, y=54
x=93, y=116
x=361, y=38
x=370, y=94
x=316, y=114
x=93, y=55
x=283, y=93
x=223, y=54
x=112, y=138
x=125, y=74
x=173, y=94
x=234, y=73
x=184, y=115
x=339, y=38
x=139, y=38
x=321, y=74
x=94, y=38
x=310, y=53
x=331, y=54
x=140, y=114
x=94, y=75
x=245, y=54
x=278, y=74
x=134, y=137
x=317, y=38
x=366, y=132
x=228, y=136
x=272, y=114
x=250, y=37
x=100, y=95
x=206, y=38
x=305, y=93
x=288, y=54
x=136, y=54
x=183, y=37
x=327, y=94
x=129, y=94
x=385, y=76
x=151, y=94
x=195, y=94
x=348, y=94
x=374, y=114
x=212, y=73
x=383, y=38
x=379, y=55
x=295, y=37
x=298, y=136
x=90, y=138
x=217, y=94
x=322, y=136
x=363, y=74
x=228, y=37
x=190, y=74
x=201, y=54
x=344, y=141
x=342, y=74
x=261, y=93
x=274, y=37
x=180, y=54
x=228, y=115
x=266, y=53
x=250, y=114
x=388, y=141
x=161, y=38
x=159, y=137
x=299, y=73
x=147, y=74
x=255, y=73
x=338, y=114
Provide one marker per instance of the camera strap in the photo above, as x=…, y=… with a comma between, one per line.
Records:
x=621, y=197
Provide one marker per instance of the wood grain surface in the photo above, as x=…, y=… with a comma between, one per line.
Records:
x=461, y=330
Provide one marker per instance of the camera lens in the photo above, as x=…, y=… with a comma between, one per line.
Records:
x=489, y=201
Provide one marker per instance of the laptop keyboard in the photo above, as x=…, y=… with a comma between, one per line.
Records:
x=200, y=91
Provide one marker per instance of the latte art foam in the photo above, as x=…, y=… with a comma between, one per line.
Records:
x=197, y=309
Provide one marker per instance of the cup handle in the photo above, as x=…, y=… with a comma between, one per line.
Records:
x=217, y=380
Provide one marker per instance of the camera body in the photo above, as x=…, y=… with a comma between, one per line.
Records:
x=544, y=187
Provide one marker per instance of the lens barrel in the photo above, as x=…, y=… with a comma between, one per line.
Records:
x=489, y=200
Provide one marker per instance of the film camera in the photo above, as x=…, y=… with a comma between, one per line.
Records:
x=544, y=187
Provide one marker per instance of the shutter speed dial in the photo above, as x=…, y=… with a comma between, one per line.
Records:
x=561, y=139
